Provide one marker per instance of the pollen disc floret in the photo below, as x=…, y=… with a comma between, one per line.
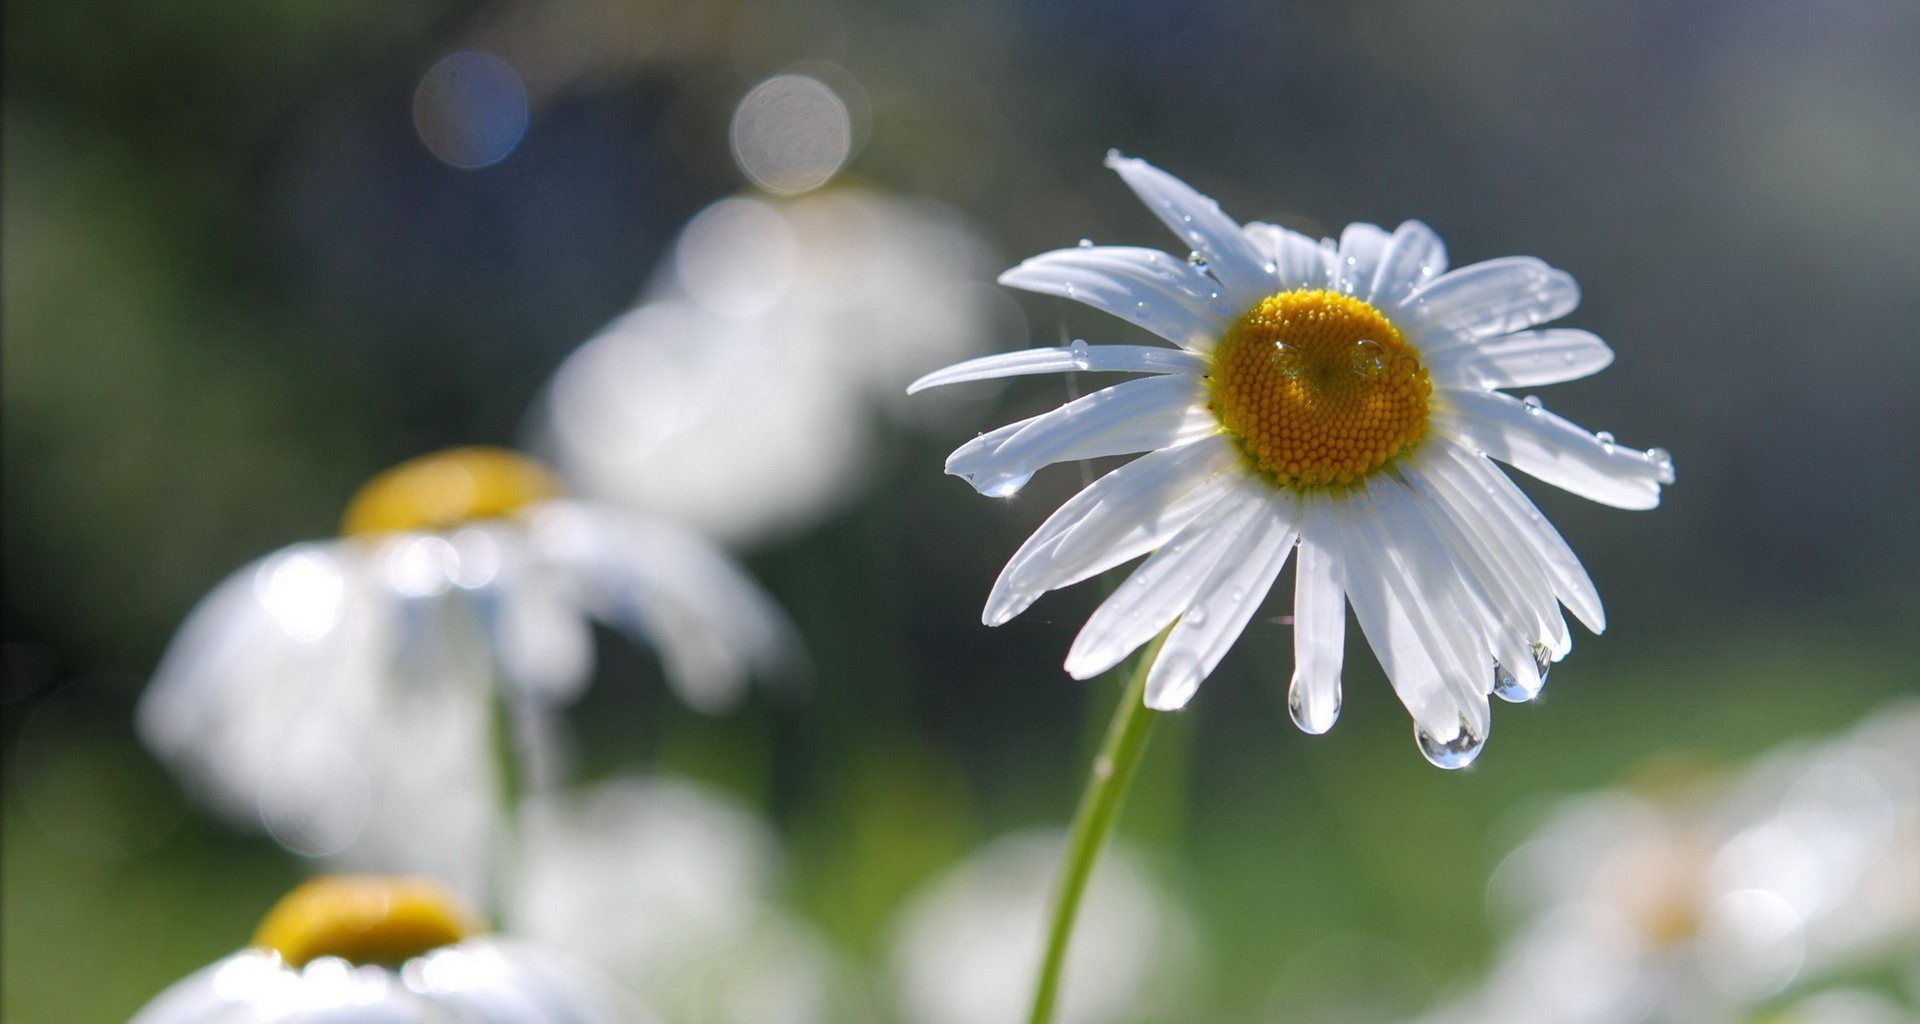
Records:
x=446, y=489
x=1318, y=388
x=365, y=919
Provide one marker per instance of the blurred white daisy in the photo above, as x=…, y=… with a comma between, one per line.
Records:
x=1703, y=903
x=1336, y=397
x=965, y=947
x=741, y=396
x=667, y=887
x=346, y=950
x=352, y=695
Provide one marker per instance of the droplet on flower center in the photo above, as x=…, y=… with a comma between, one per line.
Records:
x=1318, y=388
x=365, y=919
x=445, y=489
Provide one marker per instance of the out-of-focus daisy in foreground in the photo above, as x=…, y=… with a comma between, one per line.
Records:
x=1342, y=398
x=353, y=695
x=668, y=888
x=964, y=946
x=741, y=397
x=1714, y=900
x=383, y=950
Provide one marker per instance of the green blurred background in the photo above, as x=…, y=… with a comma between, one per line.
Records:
x=236, y=284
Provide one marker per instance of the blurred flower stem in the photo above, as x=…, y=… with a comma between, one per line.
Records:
x=1093, y=822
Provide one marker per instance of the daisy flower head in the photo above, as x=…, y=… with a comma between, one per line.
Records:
x=392, y=950
x=345, y=694
x=1342, y=398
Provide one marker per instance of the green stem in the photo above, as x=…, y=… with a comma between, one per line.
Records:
x=1093, y=823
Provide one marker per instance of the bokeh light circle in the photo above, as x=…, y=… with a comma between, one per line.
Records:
x=470, y=109
x=791, y=133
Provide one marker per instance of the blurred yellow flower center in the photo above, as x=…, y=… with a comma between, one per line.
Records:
x=448, y=488
x=365, y=919
x=1318, y=388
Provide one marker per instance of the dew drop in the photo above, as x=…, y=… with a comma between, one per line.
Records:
x=1353, y=261
x=1568, y=358
x=1533, y=404
x=1141, y=310
x=1069, y=291
x=1312, y=716
x=1605, y=437
x=1086, y=243
x=1662, y=458
x=1270, y=267
x=1369, y=359
x=1082, y=358
x=1457, y=752
x=1113, y=154
x=1197, y=260
x=1195, y=616
x=1507, y=687
x=1003, y=488
x=1542, y=660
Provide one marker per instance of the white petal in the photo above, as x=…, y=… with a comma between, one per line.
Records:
x=1543, y=445
x=1319, y=622
x=1299, y=261
x=1162, y=293
x=711, y=625
x=1066, y=359
x=1536, y=536
x=1229, y=597
x=1165, y=584
x=1484, y=300
x=1134, y=416
x=1435, y=595
x=1199, y=222
x=1412, y=257
x=1383, y=621
x=1523, y=359
x=1120, y=516
x=1361, y=246
x=1508, y=571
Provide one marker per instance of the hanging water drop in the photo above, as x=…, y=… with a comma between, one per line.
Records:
x=1312, y=716
x=1005, y=488
x=1082, y=356
x=1457, y=752
x=1508, y=687
x=1533, y=404
x=1661, y=458
x=1542, y=660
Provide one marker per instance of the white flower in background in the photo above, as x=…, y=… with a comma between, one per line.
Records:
x=966, y=947
x=345, y=693
x=371, y=950
x=1340, y=398
x=1636, y=909
x=740, y=397
x=667, y=887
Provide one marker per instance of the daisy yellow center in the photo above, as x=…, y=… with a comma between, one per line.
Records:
x=448, y=488
x=1318, y=388
x=365, y=919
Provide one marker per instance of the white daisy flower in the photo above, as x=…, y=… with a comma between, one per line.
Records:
x=741, y=396
x=346, y=950
x=344, y=694
x=1339, y=398
x=965, y=944
x=668, y=888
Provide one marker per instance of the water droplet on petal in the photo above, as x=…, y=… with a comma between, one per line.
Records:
x=1113, y=154
x=1141, y=310
x=1195, y=616
x=1069, y=291
x=1508, y=687
x=1270, y=267
x=1353, y=261
x=1311, y=716
x=1082, y=358
x=1455, y=752
x=1086, y=243
x=1369, y=359
x=1605, y=437
x=1543, y=661
x=1533, y=404
x=1662, y=458
x=1197, y=260
x=1004, y=488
